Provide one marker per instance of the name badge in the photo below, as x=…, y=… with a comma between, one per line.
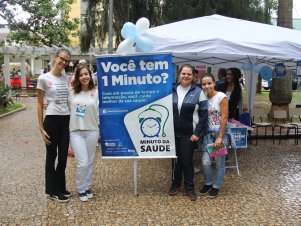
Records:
x=81, y=111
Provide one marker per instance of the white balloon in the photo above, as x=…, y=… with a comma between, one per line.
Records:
x=142, y=25
x=125, y=47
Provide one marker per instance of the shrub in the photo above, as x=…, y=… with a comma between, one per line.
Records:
x=5, y=98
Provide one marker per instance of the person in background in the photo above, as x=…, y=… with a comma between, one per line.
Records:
x=53, y=87
x=232, y=89
x=221, y=75
x=84, y=129
x=190, y=123
x=217, y=125
x=196, y=77
x=241, y=81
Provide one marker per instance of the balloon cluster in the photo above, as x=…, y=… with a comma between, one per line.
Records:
x=132, y=33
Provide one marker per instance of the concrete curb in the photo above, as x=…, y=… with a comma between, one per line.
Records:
x=12, y=112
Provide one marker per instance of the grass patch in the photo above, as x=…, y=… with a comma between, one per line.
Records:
x=262, y=100
x=10, y=108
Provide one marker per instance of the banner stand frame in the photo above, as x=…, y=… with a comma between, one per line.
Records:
x=135, y=178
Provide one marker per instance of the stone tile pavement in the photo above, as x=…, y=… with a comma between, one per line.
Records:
x=268, y=191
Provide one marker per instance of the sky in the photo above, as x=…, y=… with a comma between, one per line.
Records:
x=296, y=12
x=296, y=8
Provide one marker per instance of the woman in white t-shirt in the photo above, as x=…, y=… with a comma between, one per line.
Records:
x=84, y=129
x=217, y=126
x=53, y=87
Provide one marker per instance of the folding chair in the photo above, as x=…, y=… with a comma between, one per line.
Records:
x=296, y=113
x=259, y=114
x=281, y=116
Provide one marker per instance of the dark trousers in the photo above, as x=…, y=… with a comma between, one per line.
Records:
x=57, y=127
x=183, y=164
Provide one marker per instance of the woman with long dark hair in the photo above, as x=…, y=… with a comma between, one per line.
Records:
x=218, y=134
x=84, y=129
x=231, y=87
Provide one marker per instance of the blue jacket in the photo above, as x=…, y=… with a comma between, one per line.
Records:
x=194, y=104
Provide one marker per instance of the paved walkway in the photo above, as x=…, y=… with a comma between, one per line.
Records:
x=268, y=192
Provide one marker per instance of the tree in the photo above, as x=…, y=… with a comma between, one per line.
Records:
x=253, y=10
x=166, y=11
x=48, y=22
x=96, y=22
x=281, y=89
x=285, y=13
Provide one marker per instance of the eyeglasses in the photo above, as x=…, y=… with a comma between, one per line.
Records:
x=63, y=59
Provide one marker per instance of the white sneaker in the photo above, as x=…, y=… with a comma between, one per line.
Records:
x=83, y=197
x=89, y=194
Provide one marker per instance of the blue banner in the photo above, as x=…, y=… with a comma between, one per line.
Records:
x=240, y=136
x=135, y=105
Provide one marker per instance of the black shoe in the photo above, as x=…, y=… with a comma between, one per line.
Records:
x=213, y=193
x=173, y=190
x=191, y=195
x=205, y=189
x=59, y=198
x=66, y=193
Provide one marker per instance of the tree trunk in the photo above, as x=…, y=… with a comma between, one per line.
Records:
x=281, y=90
x=258, y=84
x=285, y=12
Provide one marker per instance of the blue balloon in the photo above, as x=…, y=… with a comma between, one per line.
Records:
x=266, y=73
x=144, y=44
x=128, y=30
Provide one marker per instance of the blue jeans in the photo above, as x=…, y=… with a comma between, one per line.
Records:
x=207, y=170
x=219, y=160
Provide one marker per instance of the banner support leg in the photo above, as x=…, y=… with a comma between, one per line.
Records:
x=135, y=178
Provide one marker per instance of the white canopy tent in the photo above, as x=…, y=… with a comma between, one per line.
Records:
x=219, y=41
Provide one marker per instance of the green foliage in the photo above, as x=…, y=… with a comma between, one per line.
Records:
x=253, y=10
x=166, y=11
x=5, y=99
x=10, y=108
x=48, y=22
x=124, y=11
x=1, y=62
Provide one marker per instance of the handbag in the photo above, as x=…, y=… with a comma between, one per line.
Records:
x=217, y=152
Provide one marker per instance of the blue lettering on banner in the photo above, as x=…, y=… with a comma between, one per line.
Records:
x=240, y=136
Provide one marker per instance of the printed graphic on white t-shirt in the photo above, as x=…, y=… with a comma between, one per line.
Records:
x=81, y=110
